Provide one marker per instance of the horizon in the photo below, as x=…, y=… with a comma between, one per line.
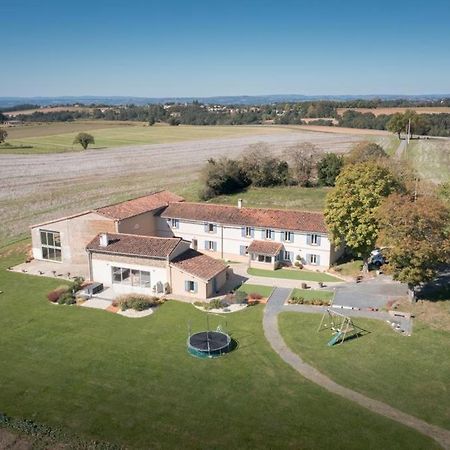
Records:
x=153, y=50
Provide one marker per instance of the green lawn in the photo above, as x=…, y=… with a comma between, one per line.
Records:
x=291, y=274
x=130, y=381
x=58, y=140
x=350, y=268
x=310, y=294
x=265, y=291
x=410, y=373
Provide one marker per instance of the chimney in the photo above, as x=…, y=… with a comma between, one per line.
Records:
x=240, y=203
x=103, y=240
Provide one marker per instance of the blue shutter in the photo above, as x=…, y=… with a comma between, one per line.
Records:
x=318, y=260
x=263, y=234
x=214, y=228
x=318, y=240
x=308, y=258
x=308, y=239
x=206, y=227
x=195, y=286
x=215, y=246
x=206, y=245
x=186, y=285
x=242, y=250
x=243, y=232
x=292, y=237
x=252, y=232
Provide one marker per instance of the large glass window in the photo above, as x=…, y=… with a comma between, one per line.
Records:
x=132, y=277
x=51, y=245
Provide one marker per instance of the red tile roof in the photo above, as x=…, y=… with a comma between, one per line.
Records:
x=140, y=205
x=135, y=245
x=281, y=219
x=265, y=247
x=198, y=264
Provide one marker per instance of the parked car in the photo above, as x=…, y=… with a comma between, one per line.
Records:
x=376, y=258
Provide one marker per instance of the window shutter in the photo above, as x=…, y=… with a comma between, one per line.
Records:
x=292, y=237
x=206, y=227
x=242, y=250
x=243, y=232
x=308, y=258
x=308, y=239
x=272, y=235
x=263, y=234
x=252, y=232
x=214, y=228
x=215, y=246
x=186, y=285
x=318, y=240
x=318, y=260
x=195, y=286
x=206, y=245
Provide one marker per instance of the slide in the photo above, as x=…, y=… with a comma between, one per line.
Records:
x=334, y=339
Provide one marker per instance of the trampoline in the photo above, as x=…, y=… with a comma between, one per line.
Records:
x=209, y=344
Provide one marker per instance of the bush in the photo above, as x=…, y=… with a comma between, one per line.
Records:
x=77, y=283
x=255, y=296
x=67, y=299
x=296, y=300
x=138, y=302
x=54, y=295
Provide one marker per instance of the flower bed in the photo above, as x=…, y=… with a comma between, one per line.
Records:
x=138, y=302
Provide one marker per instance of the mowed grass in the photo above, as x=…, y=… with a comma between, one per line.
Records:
x=291, y=274
x=311, y=294
x=409, y=373
x=131, y=381
x=123, y=134
x=248, y=288
x=284, y=197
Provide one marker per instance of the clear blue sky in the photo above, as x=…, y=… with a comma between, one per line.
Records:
x=205, y=48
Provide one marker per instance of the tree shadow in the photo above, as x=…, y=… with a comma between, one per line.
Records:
x=436, y=290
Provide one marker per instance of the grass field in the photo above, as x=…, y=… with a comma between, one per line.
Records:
x=290, y=274
x=409, y=373
x=60, y=140
x=132, y=382
x=265, y=291
x=431, y=158
x=311, y=294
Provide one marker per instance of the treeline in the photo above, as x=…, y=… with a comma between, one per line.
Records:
x=22, y=107
x=301, y=165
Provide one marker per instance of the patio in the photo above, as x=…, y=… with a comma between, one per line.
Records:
x=52, y=269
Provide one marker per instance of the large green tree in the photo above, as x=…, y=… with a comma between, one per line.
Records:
x=365, y=151
x=328, y=168
x=351, y=211
x=3, y=135
x=84, y=139
x=416, y=232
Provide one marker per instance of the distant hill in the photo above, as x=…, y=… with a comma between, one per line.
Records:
x=9, y=102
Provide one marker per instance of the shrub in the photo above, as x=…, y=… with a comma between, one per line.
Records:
x=138, y=302
x=67, y=298
x=255, y=296
x=56, y=293
x=216, y=303
x=296, y=300
x=77, y=283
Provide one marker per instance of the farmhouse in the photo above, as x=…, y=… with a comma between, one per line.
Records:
x=159, y=243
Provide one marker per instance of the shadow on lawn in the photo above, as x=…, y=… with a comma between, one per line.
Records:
x=438, y=289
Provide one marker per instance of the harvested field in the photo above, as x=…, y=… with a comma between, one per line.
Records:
x=47, y=109
x=393, y=110
x=35, y=188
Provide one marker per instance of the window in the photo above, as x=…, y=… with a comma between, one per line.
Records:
x=210, y=227
x=288, y=256
x=314, y=259
x=174, y=223
x=131, y=277
x=315, y=239
x=248, y=232
x=190, y=286
x=287, y=236
x=270, y=234
x=243, y=250
x=264, y=259
x=51, y=245
x=194, y=244
x=211, y=246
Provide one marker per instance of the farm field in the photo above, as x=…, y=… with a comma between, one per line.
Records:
x=93, y=374
x=58, y=139
x=409, y=373
x=393, y=110
x=40, y=187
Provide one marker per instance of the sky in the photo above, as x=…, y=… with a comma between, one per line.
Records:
x=208, y=48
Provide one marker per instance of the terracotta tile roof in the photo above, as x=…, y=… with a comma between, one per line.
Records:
x=265, y=247
x=135, y=245
x=198, y=264
x=140, y=205
x=281, y=219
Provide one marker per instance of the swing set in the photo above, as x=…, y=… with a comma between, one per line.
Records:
x=342, y=327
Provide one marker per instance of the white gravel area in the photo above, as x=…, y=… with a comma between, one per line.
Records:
x=132, y=314
x=97, y=303
x=227, y=310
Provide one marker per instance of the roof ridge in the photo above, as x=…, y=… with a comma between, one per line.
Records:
x=175, y=238
x=130, y=199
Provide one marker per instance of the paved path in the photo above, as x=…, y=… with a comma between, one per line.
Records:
x=272, y=333
x=401, y=149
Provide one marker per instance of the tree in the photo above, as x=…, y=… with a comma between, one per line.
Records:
x=351, y=211
x=3, y=135
x=2, y=117
x=84, y=139
x=366, y=151
x=302, y=159
x=417, y=236
x=328, y=168
x=397, y=124
x=262, y=169
x=222, y=176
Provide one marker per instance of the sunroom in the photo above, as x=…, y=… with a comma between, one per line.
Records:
x=265, y=254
